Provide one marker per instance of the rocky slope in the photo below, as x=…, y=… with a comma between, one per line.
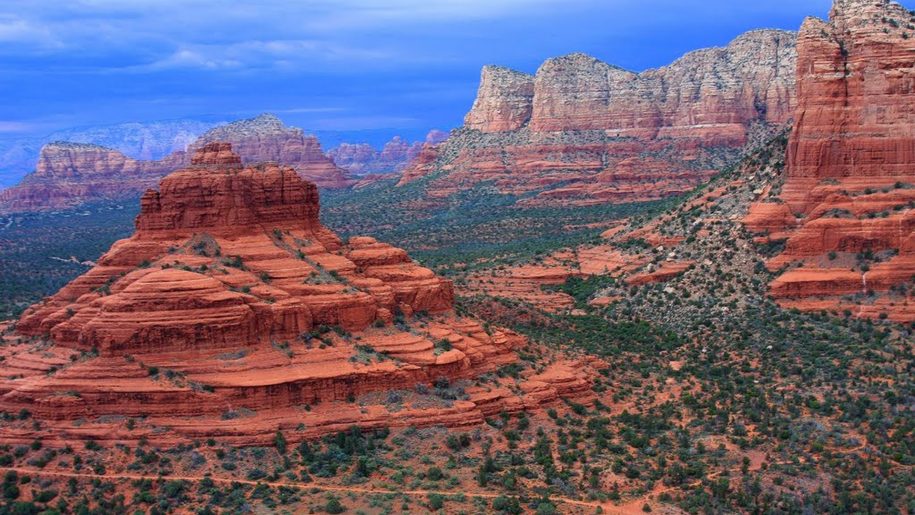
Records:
x=696, y=271
x=845, y=213
x=232, y=297
x=654, y=262
x=69, y=174
x=581, y=131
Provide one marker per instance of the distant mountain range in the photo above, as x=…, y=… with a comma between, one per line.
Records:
x=153, y=141
x=147, y=141
x=67, y=172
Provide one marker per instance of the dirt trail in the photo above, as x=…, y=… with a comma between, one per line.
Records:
x=607, y=507
x=632, y=507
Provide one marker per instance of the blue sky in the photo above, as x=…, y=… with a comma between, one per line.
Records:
x=325, y=65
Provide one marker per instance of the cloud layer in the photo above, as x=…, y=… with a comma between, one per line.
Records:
x=353, y=64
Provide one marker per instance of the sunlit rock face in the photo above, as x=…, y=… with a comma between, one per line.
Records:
x=846, y=210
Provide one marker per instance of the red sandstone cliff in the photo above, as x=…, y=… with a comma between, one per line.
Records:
x=504, y=100
x=578, y=131
x=751, y=78
x=224, y=300
x=855, y=85
x=846, y=209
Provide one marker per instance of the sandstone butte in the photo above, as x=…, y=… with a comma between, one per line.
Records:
x=584, y=132
x=218, y=308
x=845, y=211
x=69, y=174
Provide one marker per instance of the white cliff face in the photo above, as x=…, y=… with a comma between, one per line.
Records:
x=581, y=131
x=750, y=79
x=504, y=100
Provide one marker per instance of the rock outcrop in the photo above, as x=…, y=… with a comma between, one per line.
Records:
x=232, y=297
x=855, y=89
x=581, y=131
x=845, y=212
x=697, y=249
x=713, y=92
x=830, y=206
x=69, y=174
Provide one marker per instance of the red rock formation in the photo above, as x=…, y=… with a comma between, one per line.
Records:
x=712, y=92
x=705, y=91
x=361, y=159
x=855, y=86
x=356, y=158
x=566, y=174
x=423, y=164
x=266, y=139
x=768, y=217
x=847, y=204
x=584, y=132
x=665, y=272
x=397, y=154
x=525, y=282
x=224, y=300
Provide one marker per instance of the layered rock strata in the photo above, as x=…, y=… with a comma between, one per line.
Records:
x=583, y=132
x=266, y=138
x=845, y=212
x=72, y=173
x=232, y=300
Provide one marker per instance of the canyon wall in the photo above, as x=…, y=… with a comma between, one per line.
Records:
x=855, y=85
x=504, y=100
x=717, y=89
